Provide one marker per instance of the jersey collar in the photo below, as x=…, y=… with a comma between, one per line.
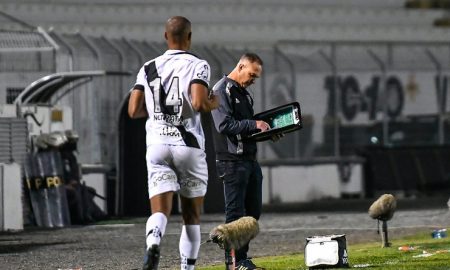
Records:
x=175, y=52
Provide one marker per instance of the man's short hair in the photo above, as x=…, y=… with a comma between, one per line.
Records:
x=252, y=57
x=178, y=27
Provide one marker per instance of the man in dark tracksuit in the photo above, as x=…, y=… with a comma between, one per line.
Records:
x=235, y=156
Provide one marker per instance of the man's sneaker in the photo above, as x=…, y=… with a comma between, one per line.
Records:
x=151, y=258
x=246, y=264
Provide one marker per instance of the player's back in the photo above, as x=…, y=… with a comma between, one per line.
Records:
x=172, y=120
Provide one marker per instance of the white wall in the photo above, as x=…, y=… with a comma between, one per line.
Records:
x=292, y=184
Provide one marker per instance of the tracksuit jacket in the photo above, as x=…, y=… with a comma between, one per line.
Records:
x=233, y=122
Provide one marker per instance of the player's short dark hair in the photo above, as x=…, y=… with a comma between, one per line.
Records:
x=252, y=57
x=178, y=27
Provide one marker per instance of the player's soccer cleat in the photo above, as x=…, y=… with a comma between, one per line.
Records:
x=151, y=258
x=246, y=264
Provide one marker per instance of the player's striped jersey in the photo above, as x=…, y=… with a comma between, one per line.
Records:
x=166, y=81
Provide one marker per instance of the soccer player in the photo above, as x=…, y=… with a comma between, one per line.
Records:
x=236, y=156
x=171, y=91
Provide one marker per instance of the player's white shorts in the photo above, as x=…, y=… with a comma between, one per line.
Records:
x=176, y=168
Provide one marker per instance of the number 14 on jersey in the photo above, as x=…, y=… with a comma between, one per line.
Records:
x=169, y=102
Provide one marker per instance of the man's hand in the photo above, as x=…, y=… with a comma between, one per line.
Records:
x=261, y=125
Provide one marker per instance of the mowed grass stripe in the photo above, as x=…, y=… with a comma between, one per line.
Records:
x=371, y=256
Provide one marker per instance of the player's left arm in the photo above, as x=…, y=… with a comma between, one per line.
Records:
x=201, y=98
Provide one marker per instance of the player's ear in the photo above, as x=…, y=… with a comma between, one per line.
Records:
x=166, y=37
x=189, y=36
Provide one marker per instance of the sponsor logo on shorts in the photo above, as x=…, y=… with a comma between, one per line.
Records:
x=191, y=183
x=164, y=177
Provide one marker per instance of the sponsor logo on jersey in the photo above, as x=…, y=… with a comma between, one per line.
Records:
x=204, y=74
x=170, y=132
x=169, y=118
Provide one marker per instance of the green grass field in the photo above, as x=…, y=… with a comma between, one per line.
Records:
x=427, y=253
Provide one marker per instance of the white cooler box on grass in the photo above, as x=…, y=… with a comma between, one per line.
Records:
x=327, y=251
